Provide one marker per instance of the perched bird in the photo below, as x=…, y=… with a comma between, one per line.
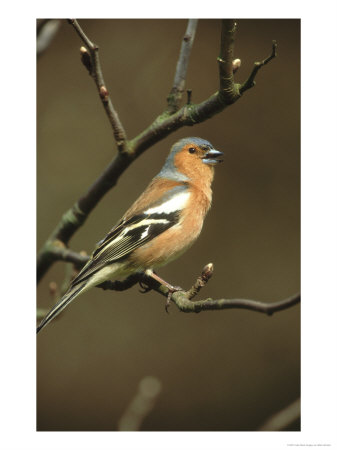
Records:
x=163, y=223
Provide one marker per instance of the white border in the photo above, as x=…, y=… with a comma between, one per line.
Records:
x=318, y=231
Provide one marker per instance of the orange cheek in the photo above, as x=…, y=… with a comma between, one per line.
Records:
x=193, y=167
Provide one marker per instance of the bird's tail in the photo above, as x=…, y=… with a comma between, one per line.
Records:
x=69, y=296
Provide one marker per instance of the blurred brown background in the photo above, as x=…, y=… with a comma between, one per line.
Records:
x=219, y=371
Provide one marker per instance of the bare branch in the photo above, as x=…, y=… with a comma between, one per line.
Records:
x=225, y=61
x=183, y=302
x=46, y=31
x=185, y=305
x=165, y=124
x=55, y=250
x=40, y=23
x=74, y=218
x=250, y=82
x=97, y=75
x=141, y=405
x=67, y=255
x=122, y=285
x=201, y=281
x=182, y=299
x=175, y=95
x=283, y=418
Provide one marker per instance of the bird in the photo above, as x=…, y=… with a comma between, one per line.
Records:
x=160, y=225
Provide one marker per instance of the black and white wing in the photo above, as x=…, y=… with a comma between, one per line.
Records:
x=129, y=234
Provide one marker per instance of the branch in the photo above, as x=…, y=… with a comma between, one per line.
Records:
x=192, y=114
x=185, y=305
x=93, y=64
x=141, y=405
x=46, y=31
x=40, y=23
x=250, y=82
x=182, y=299
x=62, y=253
x=283, y=418
x=175, y=95
x=165, y=124
x=74, y=218
x=55, y=250
x=201, y=281
x=122, y=285
x=225, y=60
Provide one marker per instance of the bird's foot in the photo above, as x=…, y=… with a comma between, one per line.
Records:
x=144, y=288
x=172, y=290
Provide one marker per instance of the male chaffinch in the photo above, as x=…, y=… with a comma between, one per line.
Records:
x=163, y=223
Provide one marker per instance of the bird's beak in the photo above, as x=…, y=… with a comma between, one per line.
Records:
x=212, y=157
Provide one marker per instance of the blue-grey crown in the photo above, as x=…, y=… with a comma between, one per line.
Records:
x=169, y=170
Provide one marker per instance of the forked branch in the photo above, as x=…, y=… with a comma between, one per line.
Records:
x=250, y=82
x=183, y=298
x=177, y=90
x=166, y=123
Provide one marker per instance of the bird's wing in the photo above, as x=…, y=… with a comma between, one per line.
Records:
x=136, y=230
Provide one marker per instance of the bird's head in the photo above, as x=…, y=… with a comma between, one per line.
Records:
x=191, y=159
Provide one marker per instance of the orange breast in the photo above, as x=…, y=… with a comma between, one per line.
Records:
x=174, y=241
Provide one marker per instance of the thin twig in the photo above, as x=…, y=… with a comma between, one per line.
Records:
x=201, y=281
x=97, y=75
x=185, y=305
x=250, y=82
x=175, y=95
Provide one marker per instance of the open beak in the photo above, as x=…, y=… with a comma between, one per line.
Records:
x=212, y=157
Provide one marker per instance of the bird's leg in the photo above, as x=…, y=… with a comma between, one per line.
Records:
x=156, y=277
x=169, y=286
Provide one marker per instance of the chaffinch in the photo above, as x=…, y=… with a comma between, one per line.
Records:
x=163, y=223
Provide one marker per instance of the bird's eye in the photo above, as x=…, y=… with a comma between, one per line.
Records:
x=191, y=150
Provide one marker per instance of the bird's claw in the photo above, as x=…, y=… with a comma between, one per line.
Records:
x=172, y=290
x=144, y=288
